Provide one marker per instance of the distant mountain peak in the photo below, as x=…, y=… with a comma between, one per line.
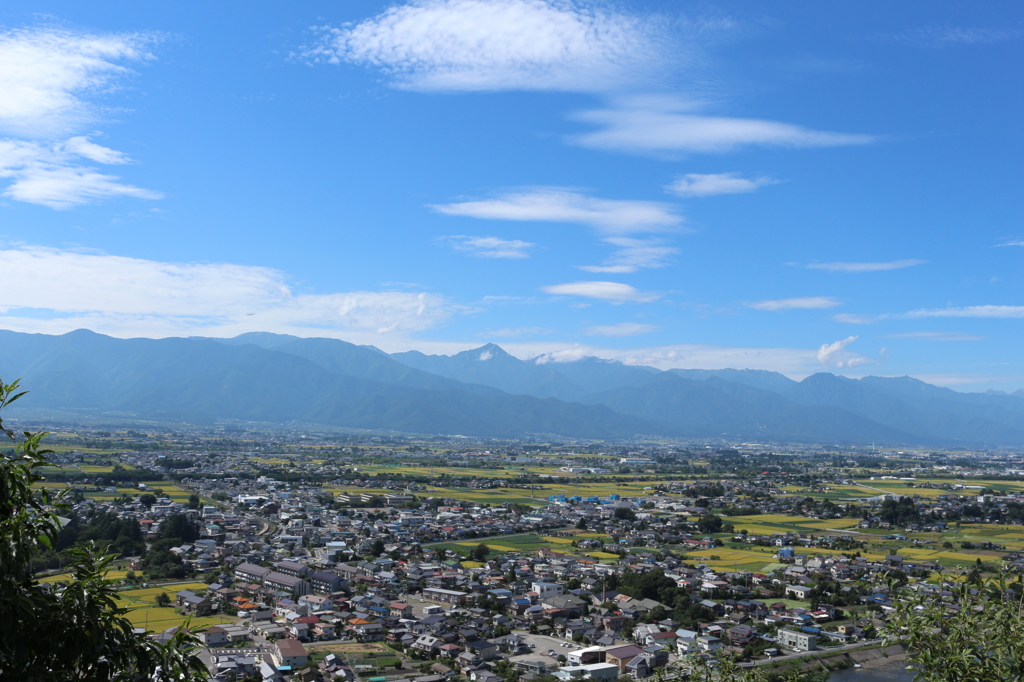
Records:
x=487, y=352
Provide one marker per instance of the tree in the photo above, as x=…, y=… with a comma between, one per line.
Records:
x=625, y=514
x=709, y=523
x=73, y=630
x=480, y=552
x=978, y=635
x=194, y=502
x=162, y=599
x=147, y=500
x=180, y=528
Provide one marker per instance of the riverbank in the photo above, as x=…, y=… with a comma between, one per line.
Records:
x=870, y=657
x=891, y=669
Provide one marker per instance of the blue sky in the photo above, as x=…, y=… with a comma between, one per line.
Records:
x=789, y=186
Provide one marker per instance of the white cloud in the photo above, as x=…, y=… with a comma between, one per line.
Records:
x=621, y=329
x=666, y=125
x=615, y=292
x=85, y=148
x=125, y=296
x=852, y=318
x=937, y=336
x=632, y=255
x=51, y=176
x=614, y=219
x=514, y=332
x=44, y=75
x=490, y=247
x=866, y=267
x=940, y=36
x=805, y=303
x=554, y=204
x=710, y=184
x=836, y=355
x=1012, y=242
x=985, y=311
x=794, y=362
x=488, y=45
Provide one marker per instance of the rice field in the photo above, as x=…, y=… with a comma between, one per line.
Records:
x=494, y=547
x=143, y=611
x=528, y=543
x=767, y=524
x=66, y=577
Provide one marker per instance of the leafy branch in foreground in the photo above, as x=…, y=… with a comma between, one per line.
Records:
x=973, y=633
x=73, y=630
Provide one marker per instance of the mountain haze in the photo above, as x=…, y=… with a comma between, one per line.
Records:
x=487, y=392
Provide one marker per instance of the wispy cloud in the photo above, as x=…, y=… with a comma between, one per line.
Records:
x=989, y=311
x=805, y=303
x=1012, y=242
x=558, y=205
x=836, y=355
x=615, y=292
x=670, y=125
x=53, y=175
x=621, y=329
x=516, y=332
x=44, y=76
x=706, y=185
x=487, y=45
x=866, y=267
x=45, y=73
x=617, y=221
x=853, y=318
x=937, y=336
x=796, y=362
x=632, y=255
x=119, y=295
x=944, y=36
x=489, y=247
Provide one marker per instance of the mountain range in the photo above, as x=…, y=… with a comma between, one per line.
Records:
x=486, y=392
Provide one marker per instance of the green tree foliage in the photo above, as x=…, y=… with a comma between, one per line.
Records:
x=976, y=635
x=480, y=552
x=123, y=536
x=625, y=514
x=194, y=502
x=161, y=563
x=178, y=527
x=111, y=533
x=725, y=669
x=709, y=523
x=74, y=630
x=656, y=585
x=901, y=511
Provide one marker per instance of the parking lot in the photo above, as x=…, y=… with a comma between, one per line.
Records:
x=542, y=644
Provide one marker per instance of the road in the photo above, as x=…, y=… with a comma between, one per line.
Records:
x=498, y=537
x=818, y=652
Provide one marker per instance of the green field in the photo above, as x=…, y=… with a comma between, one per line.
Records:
x=767, y=524
x=526, y=544
x=143, y=611
x=1012, y=537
